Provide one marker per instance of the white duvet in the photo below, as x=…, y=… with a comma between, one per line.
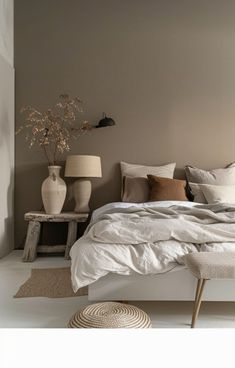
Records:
x=149, y=238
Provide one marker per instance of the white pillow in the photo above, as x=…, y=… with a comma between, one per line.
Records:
x=135, y=170
x=219, y=193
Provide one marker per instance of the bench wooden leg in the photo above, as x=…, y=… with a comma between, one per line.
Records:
x=32, y=239
x=198, y=300
x=71, y=238
x=199, y=284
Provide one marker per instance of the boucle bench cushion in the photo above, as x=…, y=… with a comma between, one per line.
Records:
x=211, y=265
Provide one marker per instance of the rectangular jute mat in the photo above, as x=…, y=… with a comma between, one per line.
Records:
x=49, y=283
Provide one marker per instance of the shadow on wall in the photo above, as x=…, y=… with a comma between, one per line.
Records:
x=9, y=221
x=7, y=185
x=7, y=235
x=179, y=173
x=109, y=190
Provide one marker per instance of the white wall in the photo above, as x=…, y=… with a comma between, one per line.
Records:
x=6, y=30
x=6, y=127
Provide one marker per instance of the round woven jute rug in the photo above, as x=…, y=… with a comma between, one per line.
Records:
x=110, y=315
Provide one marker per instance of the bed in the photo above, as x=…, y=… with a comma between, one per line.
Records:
x=136, y=251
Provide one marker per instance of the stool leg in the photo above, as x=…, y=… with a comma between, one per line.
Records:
x=198, y=300
x=32, y=239
x=71, y=238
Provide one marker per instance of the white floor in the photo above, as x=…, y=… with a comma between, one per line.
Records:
x=55, y=313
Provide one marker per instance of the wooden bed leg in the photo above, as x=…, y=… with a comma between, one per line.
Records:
x=198, y=300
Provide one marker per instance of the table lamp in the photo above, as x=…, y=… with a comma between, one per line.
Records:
x=83, y=167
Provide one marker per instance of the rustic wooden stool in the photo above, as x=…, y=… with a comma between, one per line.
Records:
x=36, y=219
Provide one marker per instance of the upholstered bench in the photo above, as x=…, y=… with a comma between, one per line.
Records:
x=209, y=266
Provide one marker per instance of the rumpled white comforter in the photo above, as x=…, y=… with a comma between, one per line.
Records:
x=149, y=238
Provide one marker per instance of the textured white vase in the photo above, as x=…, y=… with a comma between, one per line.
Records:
x=53, y=191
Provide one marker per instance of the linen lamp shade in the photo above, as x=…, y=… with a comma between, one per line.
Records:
x=83, y=166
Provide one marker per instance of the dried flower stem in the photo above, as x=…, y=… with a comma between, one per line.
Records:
x=46, y=154
x=54, y=129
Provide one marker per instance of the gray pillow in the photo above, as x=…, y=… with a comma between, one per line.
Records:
x=224, y=176
x=135, y=190
x=196, y=190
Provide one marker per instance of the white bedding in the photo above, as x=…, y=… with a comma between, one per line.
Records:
x=149, y=238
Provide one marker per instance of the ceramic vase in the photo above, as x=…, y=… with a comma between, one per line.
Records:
x=53, y=191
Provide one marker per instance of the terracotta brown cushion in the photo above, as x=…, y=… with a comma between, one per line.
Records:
x=211, y=265
x=164, y=189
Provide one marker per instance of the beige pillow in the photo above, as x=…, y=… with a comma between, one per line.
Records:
x=219, y=193
x=224, y=176
x=164, y=189
x=135, y=190
x=135, y=170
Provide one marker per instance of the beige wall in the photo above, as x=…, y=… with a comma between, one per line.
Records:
x=164, y=69
x=6, y=127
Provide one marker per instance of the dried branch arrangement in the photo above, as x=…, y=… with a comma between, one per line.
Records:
x=54, y=129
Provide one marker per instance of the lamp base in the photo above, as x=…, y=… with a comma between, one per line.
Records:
x=82, y=194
